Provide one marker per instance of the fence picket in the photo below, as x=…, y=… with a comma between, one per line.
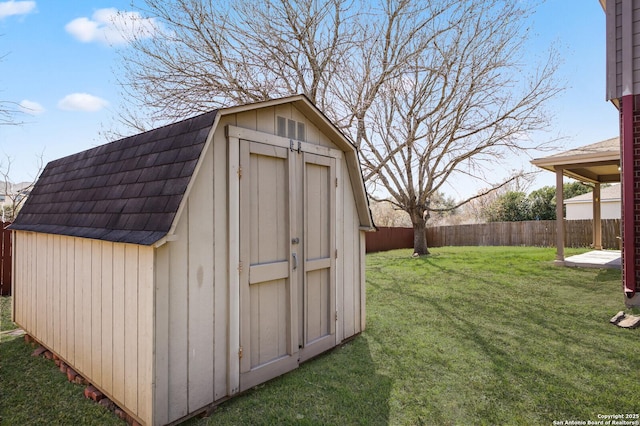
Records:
x=540, y=233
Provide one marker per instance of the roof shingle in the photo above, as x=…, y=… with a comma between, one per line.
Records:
x=126, y=191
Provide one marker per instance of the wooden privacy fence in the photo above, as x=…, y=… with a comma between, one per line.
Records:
x=5, y=260
x=541, y=233
x=389, y=239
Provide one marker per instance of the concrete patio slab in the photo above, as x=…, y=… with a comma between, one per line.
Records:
x=596, y=259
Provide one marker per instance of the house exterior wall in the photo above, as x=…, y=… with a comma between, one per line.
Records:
x=622, y=88
x=196, y=360
x=90, y=302
x=630, y=154
x=584, y=210
x=623, y=47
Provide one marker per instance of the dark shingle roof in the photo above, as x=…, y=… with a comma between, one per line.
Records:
x=125, y=191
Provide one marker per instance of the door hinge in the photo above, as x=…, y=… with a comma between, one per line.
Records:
x=336, y=315
x=239, y=172
x=240, y=352
x=336, y=182
x=240, y=267
x=336, y=253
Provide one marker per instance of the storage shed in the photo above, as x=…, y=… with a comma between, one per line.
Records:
x=178, y=267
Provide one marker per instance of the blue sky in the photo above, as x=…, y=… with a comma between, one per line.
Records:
x=59, y=67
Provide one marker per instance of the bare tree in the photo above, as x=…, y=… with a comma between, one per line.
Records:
x=15, y=194
x=12, y=196
x=428, y=91
x=457, y=111
x=9, y=110
x=215, y=54
x=387, y=215
x=8, y=113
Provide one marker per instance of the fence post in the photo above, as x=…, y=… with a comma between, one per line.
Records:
x=5, y=260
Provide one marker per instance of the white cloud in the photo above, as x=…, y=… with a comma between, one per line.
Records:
x=111, y=26
x=31, y=107
x=9, y=8
x=82, y=102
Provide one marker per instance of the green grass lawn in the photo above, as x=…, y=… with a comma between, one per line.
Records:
x=466, y=336
x=5, y=314
x=32, y=389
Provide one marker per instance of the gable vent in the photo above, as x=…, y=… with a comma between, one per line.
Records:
x=291, y=129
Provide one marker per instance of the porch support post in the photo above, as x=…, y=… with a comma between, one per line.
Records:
x=559, y=216
x=597, y=216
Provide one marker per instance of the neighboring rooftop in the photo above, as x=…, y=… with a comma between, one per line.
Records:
x=607, y=193
x=124, y=191
x=8, y=188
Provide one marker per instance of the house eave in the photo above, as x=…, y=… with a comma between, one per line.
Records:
x=549, y=163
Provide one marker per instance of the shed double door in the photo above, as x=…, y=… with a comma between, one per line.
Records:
x=287, y=253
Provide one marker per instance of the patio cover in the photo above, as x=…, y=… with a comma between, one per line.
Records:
x=596, y=163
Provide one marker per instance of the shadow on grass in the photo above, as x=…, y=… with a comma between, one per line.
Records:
x=500, y=348
x=504, y=371
x=341, y=386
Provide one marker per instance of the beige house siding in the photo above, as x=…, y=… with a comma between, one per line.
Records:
x=581, y=206
x=91, y=303
x=581, y=211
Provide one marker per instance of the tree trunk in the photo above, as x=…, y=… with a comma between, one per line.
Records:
x=419, y=236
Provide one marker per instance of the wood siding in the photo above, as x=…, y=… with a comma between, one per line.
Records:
x=186, y=372
x=349, y=270
x=623, y=48
x=196, y=358
x=351, y=257
x=350, y=284
x=157, y=328
x=91, y=303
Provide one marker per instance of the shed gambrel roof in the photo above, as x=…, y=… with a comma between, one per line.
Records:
x=131, y=190
x=125, y=191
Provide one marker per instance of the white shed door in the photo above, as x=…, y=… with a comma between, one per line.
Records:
x=287, y=246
